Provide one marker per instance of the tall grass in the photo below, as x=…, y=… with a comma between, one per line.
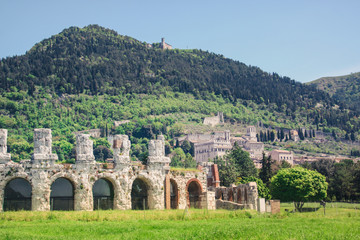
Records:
x=338, y=223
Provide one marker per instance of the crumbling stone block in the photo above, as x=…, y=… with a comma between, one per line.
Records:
x=121, y=148
x=84, y=149
x=4, y=155
x=43, y=148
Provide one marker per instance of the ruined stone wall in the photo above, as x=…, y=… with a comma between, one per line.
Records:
x=183, y=178
x=245, y=194
x=213, y=121
x=95, y=133
x=41, y=172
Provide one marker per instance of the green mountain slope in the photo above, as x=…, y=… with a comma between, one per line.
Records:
x=343, y=88
x=95, y=60
x=86, y=78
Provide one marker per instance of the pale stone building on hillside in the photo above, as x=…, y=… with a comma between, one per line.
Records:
x=217, y=146
x=282, y=155
x=213, y=121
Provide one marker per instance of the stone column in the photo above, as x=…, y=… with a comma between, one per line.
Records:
x=40, y=200
x=157, y=153
x=261, y=207
x=84, y=151
x=252, y=195
x=121, y=148
x=4, y=155
x=158, y=164
x=43, y=156
x=83, y=199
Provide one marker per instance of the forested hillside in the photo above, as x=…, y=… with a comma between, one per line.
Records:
x=95, y=60
x=343, y=88
x=86, y=78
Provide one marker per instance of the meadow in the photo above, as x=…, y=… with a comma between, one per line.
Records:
x=340, y=222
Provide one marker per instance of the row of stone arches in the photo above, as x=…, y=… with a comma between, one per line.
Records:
x=18, y=193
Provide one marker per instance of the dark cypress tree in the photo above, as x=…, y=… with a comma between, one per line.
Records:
x=347, y=136
x=301, y=135
x=352, y=136
x=265, y=173
x=272, y=136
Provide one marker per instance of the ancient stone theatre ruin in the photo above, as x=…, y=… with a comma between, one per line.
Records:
x=41, y=184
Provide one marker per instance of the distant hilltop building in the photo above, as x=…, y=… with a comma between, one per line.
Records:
x=165, y=45
x=213, y=121
x=294, y=135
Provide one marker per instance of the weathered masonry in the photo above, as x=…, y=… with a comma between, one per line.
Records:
x=41, y=184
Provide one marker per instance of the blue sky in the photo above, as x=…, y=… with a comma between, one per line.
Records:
x=303, y=40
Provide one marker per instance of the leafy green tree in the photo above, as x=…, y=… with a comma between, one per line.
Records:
x=228, y=174
x=102, y=153
x=342, y=182
x=178, y=158
x=298, y=185
x=189, y=161
x=186, y=146
x=241, y=160
x=64, y=149
x=237, y=163
x=285, y=164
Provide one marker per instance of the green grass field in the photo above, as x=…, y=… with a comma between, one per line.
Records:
x=338, y=223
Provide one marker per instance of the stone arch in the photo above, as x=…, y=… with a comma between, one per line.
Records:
x=116, y=184
x=193, y=193
x=103, y=194
x=17, y=194
x=140, y=193
x=62, y=194
x=174, y=194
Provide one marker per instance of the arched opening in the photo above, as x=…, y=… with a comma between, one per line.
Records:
x=194, y=192
x=103, y=194
x=139, y=195
x=17, y=195
x=62, y=195
x=174, y=194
